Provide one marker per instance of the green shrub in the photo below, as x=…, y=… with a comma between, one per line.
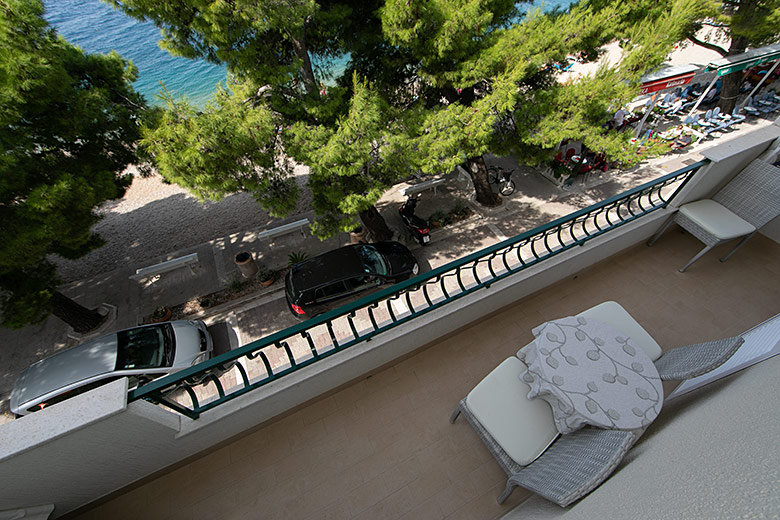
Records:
x=264, y=274
x=236, y=285
x=440, y=216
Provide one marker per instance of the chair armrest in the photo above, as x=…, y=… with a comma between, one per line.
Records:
x=694, y=360
x=575, y=464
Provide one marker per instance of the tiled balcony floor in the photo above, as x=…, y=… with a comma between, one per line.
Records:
x=382, y=448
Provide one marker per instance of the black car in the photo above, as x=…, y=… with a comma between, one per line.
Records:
x=313, y=284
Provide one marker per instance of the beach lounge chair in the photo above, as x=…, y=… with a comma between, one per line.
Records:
x=735, y=118
x=683, y=141
x=750, y=200
x=705, y=121
x=691, y=124
x=665, y=102
x=766, y=103
x=521, y=434
x=716, y=123
x=750, y=109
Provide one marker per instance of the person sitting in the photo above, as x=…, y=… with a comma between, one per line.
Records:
x=671, y=133
x=675, y=107
x=600, y=162
x=682, y=141
x=617, y=120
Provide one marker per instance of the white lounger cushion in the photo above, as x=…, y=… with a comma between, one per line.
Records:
x=716, y=220
x=614, y=314
x=524, y=428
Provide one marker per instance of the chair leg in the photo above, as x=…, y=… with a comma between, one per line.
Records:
x=455, y=414
x=692, y=260
x=510, y=486
x=660, y=231
x=741, y=242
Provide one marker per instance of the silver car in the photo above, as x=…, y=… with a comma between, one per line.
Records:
x=141, y=353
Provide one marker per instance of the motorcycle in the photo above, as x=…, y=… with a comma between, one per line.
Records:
x=417, y=226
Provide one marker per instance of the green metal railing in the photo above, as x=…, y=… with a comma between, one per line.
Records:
x=209, y=384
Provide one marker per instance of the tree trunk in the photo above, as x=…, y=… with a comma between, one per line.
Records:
x=307, y=72
x=74, y=314
x=478, y=172
x=731, y=82
x=375, y=224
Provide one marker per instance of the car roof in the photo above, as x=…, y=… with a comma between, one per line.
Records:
x=91, y=358
x=337, y=264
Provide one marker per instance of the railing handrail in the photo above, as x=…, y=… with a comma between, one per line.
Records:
x=150, y=390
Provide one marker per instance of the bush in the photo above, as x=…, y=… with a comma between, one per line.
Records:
x=440, y=217
x=264, y=274
x=236, y=285
x=460, y=211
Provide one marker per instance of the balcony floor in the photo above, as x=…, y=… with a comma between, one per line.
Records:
x=382, y=447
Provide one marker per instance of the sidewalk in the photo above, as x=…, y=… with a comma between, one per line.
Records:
x=536, y=201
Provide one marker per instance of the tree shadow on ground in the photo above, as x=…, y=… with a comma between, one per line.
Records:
x=168, y=224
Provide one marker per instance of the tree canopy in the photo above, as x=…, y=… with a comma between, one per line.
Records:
x=428, y=85
x=744, y=24
x=232, y=145
x=67, y=131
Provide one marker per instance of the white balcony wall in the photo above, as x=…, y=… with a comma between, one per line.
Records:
x=88, y=447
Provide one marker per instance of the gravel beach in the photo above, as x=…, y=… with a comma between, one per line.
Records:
x=154, y=219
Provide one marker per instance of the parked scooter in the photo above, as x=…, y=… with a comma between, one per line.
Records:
x=417, y=226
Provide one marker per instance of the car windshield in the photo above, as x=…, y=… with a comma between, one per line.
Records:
x=372, y=260
x=145, y=347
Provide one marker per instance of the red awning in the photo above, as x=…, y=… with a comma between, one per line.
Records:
x=665, y=83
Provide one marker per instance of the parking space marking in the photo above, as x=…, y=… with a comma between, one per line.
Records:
x=492, y=227
x=218, y=250
x=236, y=341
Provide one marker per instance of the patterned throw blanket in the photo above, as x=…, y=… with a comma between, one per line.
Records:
x=591, y=373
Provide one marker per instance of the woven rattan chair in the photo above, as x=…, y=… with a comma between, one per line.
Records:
x=694, y=360
x=565, y=468
x=569, y=469
x=740, y=209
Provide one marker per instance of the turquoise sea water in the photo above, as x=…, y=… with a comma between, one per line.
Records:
x=96, y=27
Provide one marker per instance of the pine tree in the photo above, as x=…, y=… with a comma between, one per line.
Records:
x=67, y=130
x=745, y=23
x=492, y=86
x=439, y=83
x=232, y=145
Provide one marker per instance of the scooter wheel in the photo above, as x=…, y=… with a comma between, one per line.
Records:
x=508, y=188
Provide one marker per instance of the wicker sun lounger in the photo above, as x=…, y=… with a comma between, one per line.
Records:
x=565, y=468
